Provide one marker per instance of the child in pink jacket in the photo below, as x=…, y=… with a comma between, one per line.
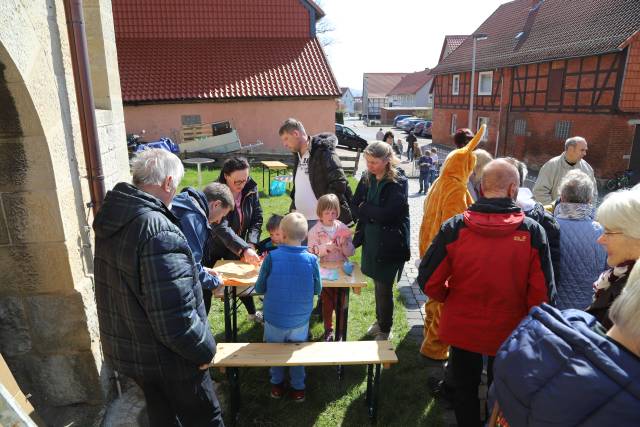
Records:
x=330, y=240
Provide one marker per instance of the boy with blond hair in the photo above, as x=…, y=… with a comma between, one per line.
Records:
x=289, y=278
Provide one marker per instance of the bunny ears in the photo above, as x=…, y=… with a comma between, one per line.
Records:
x=476, y=139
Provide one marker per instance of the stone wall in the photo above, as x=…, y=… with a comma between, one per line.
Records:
x=48, y=324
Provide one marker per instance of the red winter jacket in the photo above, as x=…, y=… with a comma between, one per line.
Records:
x=488, y=266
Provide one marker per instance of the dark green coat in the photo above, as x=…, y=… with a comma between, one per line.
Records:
x=382, y=212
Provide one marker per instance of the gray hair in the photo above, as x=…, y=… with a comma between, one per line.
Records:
x=573, y=141
x=153, y=165
x=290, y=125
x=625, y=310
x=218, y=191
x=620, y=212
x=521, y=166
x=576, y=187
x=382, y=150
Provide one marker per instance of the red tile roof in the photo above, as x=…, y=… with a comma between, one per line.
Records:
x=219, y=49
x=182, y=69
x=380, y=84
x=554, y=29
x=411, y=83
x=450, y=44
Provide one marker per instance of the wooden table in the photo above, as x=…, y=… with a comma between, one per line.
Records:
x=271, y=166
x=355, y=281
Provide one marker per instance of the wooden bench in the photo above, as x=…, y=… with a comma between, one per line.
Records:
x=232, y=356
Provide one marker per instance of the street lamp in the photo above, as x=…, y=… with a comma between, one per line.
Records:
x=476, y=37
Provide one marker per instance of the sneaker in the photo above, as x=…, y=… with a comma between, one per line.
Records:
x=441, y=391
x=383, y=336
x=277, y=390
x=374, y=329
x=328, y=335
x=297, y=395
x=257, y=318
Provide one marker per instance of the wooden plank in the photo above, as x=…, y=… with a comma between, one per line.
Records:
x=239, y=355
x=356, y=280
x=274, y=165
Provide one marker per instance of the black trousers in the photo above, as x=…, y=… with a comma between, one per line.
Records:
x=248, y=302
x=384, y=305
x=183, y=403
x=466, y=372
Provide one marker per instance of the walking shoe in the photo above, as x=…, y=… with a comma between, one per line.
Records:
x=440, y=391
x=257, y=318
x=374, y=329
x=297, y=395
x=383, y=336
x=277, y=390
x=328, y=335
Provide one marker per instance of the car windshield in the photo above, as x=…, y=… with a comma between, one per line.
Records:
x=349, y=132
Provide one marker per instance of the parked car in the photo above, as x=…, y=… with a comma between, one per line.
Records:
x=399, y=117
x=408, y=127
x=423, y=128
x=402, y=123
x=348, y=138
x=426, y=131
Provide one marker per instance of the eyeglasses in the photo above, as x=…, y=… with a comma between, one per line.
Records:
x=239, y=181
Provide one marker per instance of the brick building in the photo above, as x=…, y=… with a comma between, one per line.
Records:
x=253, y=63
x=547, y=70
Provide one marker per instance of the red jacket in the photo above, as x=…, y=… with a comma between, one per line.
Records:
x=488, y=266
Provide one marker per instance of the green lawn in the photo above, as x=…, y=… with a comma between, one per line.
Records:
x=404, y=399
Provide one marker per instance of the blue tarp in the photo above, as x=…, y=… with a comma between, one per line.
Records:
x=164, y=143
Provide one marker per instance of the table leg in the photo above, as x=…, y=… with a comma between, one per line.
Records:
x=263, y=177
x=199, y=177
x=373, y=396
x=269, y=182
x=340, y=334
x=234, y=332
x=369, y=399
x=233, y=376
x=227, y=315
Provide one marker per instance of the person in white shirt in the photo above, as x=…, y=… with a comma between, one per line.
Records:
x=317, y=171
x=547, y=187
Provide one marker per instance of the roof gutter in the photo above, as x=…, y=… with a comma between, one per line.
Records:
x=84, y=96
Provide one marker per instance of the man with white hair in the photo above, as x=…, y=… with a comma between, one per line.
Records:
x=546, y=188
x=153, y=324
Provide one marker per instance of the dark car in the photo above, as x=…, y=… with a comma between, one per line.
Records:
x=348, y=138
x=400, y=117
x=423, y=128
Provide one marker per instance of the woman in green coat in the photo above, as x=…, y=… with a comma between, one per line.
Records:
x=381, y=210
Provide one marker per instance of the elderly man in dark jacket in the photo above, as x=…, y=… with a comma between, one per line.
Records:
x=152, y=320
x=317, y=171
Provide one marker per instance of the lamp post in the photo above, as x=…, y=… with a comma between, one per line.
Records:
x=476, y=37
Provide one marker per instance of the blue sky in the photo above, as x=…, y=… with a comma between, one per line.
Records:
x=395, y=36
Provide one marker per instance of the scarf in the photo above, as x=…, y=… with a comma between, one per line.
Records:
x=574, y=211
x=612, y=275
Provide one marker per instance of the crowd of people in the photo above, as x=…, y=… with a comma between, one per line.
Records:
x=498, y=263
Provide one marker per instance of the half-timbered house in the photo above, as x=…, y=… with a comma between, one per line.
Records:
x=547, y=70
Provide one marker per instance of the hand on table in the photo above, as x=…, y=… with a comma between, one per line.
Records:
x=250, y=257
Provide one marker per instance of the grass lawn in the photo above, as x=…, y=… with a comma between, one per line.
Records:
x=403, y=400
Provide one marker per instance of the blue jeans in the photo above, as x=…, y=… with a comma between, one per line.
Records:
x=424, y=181
x=432, y=176
x=275, y=334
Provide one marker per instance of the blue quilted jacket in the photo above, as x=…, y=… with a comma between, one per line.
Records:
x=560, y=369
x=582, y=260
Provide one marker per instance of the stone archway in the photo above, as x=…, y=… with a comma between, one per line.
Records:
x=48, y=326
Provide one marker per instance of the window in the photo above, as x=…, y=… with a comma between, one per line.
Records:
x=484, y=121
x=520, y=127
x=454, y=123
x=485, y=82
x=556, y=81
x=191, y=120
x=455, y=85
x=563, y=128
